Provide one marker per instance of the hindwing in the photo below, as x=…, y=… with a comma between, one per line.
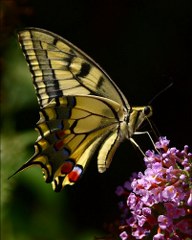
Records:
x=70, y=130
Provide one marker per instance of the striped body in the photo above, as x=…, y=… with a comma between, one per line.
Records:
x=81, y=109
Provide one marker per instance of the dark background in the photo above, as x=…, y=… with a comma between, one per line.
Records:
x=144, y=46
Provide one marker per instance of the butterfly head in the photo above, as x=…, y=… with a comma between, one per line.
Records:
x=147, y=111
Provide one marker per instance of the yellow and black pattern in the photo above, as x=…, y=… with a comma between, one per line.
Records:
x=59, y=68
x=81, y=109
x=70, y=129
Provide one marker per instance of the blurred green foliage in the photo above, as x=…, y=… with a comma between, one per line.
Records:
x=29, y=208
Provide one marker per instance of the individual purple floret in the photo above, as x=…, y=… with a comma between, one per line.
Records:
x=158, y=202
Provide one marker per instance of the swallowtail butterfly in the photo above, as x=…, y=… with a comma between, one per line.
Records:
x=81, y=109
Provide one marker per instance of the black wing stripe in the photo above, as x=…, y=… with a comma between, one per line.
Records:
x=50, y=54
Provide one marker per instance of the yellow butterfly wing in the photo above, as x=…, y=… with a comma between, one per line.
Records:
x=70, y=130
x=60, y=69
x=82, y=109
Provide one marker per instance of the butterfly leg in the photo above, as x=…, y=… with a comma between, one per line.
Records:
x=135, y=143
x=148, y=134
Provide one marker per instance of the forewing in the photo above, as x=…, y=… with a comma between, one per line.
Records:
x=61, y=69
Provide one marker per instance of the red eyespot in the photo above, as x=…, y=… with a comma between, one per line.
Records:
x=58, y=145
x=75, y=174
x=67, y=167
x=60, y=133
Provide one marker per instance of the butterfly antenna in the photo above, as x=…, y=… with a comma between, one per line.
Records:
x=160, y=92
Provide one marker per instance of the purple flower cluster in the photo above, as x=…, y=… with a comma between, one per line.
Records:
x=159, y=201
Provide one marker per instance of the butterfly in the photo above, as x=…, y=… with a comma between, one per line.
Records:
x=81, y=109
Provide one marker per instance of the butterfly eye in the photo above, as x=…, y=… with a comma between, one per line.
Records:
x=147, y=111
